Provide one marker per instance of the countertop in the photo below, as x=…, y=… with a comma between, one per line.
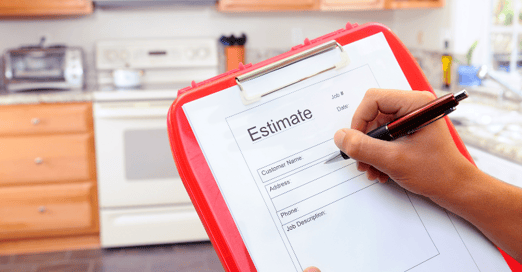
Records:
x=35, y=97
x=488, y=124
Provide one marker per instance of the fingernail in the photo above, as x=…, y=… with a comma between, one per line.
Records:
x=312, y=269
x=339, y=137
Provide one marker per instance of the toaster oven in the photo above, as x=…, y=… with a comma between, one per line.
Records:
x=44, y=68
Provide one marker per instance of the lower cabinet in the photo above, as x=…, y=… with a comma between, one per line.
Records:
x=43, y=211
x=48, y=189
x=40, y=159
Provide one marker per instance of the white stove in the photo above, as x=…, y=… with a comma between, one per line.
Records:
x=141, y=197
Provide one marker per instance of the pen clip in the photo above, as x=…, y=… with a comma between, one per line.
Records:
x=448, y=111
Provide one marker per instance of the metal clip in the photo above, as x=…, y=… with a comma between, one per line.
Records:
x=286, y=62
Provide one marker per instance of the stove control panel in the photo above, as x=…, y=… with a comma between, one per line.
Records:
x=156, y=53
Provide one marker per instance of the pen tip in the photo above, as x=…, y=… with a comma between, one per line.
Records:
x=334, y=158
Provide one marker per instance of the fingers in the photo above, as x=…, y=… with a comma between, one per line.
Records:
x=395, y=102
x=372, y=173
x=362, y=167
x=366, y=149
x=380, y=120
x=312, y=269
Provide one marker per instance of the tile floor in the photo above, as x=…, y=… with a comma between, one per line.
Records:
x=161, y=258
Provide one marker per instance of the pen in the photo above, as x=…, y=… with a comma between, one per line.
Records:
x=412, y=121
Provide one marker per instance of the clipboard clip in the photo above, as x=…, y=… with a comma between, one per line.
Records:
x=286, y=62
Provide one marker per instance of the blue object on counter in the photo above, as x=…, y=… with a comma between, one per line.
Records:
x=468, y=75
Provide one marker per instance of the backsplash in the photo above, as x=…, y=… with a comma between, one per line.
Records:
x=431, y=65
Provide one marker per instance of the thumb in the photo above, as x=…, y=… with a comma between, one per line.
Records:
x=364, y=148
x=312, y=269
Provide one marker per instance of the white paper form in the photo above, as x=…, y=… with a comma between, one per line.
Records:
x=291, y=209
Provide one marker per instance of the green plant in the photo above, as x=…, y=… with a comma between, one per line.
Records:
x=469, y=55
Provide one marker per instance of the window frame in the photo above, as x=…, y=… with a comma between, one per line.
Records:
x=516, y=32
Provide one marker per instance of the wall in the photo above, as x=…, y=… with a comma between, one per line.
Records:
x=461, y=22
x=426, y=28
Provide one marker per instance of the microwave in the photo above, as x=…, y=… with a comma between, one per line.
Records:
x=44, y=68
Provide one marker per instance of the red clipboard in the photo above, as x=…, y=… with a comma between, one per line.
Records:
x=196, y=175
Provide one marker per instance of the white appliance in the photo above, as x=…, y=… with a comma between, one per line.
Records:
x=142, y=199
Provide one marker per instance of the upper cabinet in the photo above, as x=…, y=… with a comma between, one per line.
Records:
x=267, y=5
x=407, y=4
x=352, y=4
x=24, y=8
x=278, y=5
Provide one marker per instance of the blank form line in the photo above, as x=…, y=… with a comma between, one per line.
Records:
x=406, y=192
x=331, y=202
x=327, y=190
x=313, y=179
x=293, y=172
x=462, y=240
x=421, y=263
x=293, y=155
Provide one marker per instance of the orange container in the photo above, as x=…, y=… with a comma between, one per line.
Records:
x=234, y=54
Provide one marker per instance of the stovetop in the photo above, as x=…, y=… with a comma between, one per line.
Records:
x=166, y=66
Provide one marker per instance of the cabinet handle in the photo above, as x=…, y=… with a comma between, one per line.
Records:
x=38, y=160
x=42, y=209
x=35, y=121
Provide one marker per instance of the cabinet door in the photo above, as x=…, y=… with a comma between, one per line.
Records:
x=48, y=210
x=43, y=159
x=265, y=5
x=352, y=4
x=45, y=7
x=406, y=4
x=45, y=119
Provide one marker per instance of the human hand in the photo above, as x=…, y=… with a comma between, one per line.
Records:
x=426, y=162
x=312, y=269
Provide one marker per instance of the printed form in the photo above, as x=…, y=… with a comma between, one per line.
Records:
x=294, y=211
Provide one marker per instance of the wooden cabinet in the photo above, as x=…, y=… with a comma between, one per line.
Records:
x=45, y=119
x=15, y=8
x=378, y=4
x=45, y=210
x=352, y=4
x=326, y=5
x=47, y=172
x=49, y=158
x=410, y=4
x=267, y=5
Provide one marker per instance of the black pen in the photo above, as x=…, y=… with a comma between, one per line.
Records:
x=412, y=121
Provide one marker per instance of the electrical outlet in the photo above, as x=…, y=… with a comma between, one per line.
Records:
x=420, y=37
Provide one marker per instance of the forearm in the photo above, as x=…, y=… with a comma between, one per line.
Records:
x=493, y=206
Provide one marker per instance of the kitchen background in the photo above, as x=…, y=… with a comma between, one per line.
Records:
x=459, y=21
x=100, y=203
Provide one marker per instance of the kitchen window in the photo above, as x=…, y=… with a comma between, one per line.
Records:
x=505, y=37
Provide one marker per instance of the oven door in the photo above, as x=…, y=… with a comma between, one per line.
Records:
x=134, y=161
